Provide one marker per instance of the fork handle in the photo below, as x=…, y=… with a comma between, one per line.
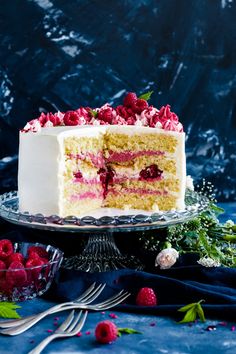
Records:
x=39, y=348
x=13, y=331
x=13, y=323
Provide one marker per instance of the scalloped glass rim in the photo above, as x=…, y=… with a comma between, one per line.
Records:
x=195, y=204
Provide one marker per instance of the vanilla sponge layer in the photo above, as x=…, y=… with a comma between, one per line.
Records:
x=144, y=202
x=136, y=142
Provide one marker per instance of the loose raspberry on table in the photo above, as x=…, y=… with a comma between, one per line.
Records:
x=130, y=99
x=106, y=332
x=16, y=274
x=139, y=105
x=146, y=297
x=6, y=249
x=15, y=257
x=71, y=118
x=38, y=250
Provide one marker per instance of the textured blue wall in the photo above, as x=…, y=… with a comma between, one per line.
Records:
x=61, y=54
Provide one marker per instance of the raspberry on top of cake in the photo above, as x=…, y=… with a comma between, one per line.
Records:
x=134, y=111
x=129, y=156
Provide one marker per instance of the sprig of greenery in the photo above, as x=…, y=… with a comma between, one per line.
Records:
x=94, y=113
x=8, y=310
x=127, y=331
x=146, y=96
x=203, y=235
x=193, y=311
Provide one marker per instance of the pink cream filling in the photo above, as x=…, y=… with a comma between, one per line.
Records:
x=86, y=195
x=92, y=181
x=140, y=191
x=129, y=155
x=120, y=180
x=97, y=159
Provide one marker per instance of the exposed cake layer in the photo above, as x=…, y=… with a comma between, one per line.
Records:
x=72, y=169
x=81, y=181
x=130, y=200
x=150, y=166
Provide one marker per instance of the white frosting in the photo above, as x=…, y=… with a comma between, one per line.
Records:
x=41, y=164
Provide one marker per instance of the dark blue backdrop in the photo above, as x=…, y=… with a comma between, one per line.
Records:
x=61, y=54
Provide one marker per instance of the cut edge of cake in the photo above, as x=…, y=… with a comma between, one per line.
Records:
x=41, y=191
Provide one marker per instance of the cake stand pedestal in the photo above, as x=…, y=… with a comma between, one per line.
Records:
x=101, y=253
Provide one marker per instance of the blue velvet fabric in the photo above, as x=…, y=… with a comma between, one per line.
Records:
x=174, y=288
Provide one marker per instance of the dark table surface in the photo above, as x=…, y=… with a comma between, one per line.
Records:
x=159, y=334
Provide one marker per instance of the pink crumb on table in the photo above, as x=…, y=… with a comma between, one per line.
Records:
x=79, y=334
x=49, y=330
x=103, y=312
x=113, y=315
x=87, y=333
x=233, y=328
x=222, y=324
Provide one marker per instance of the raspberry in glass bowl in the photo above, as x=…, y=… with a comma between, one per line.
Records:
x=26, y=269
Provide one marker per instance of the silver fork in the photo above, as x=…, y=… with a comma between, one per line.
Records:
x=85, y=298
x=104, y=305
x=69, y=328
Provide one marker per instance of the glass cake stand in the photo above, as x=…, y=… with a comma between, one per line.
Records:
x=101, y=253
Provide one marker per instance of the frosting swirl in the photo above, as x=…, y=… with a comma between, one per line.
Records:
x=135, y=111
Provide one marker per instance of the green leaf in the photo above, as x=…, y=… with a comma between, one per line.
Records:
x=127, y=331
x=94, y=113
x=200, y=313
x=216, y=209
x=190, y=315
x=8, y=310
x=187, y=307
x=146, y=96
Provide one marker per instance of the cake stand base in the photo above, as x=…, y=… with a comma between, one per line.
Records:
x=101, y=255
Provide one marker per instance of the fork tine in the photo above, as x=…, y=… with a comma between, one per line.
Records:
x=113, y=297
x=81, y=323
x=74, y=323
x=82, y=296
x=94, y=294
x=66, y=323
x=114, y=302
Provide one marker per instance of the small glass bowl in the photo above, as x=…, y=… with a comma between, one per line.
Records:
x=27, y=283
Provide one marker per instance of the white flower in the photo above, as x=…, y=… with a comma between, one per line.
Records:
x=208, y=262
x=229, y=223
x=189, y=183
x=166, y=258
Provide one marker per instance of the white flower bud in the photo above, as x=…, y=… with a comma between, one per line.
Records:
x=208, y=262
x=229, y=223
x=166, y=258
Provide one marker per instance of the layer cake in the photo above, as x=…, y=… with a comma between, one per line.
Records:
x=72, y=169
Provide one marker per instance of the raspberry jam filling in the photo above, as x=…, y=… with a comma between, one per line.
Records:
x=129, y=155
x=149, y=173
x=80, y=179
x=106, y=177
